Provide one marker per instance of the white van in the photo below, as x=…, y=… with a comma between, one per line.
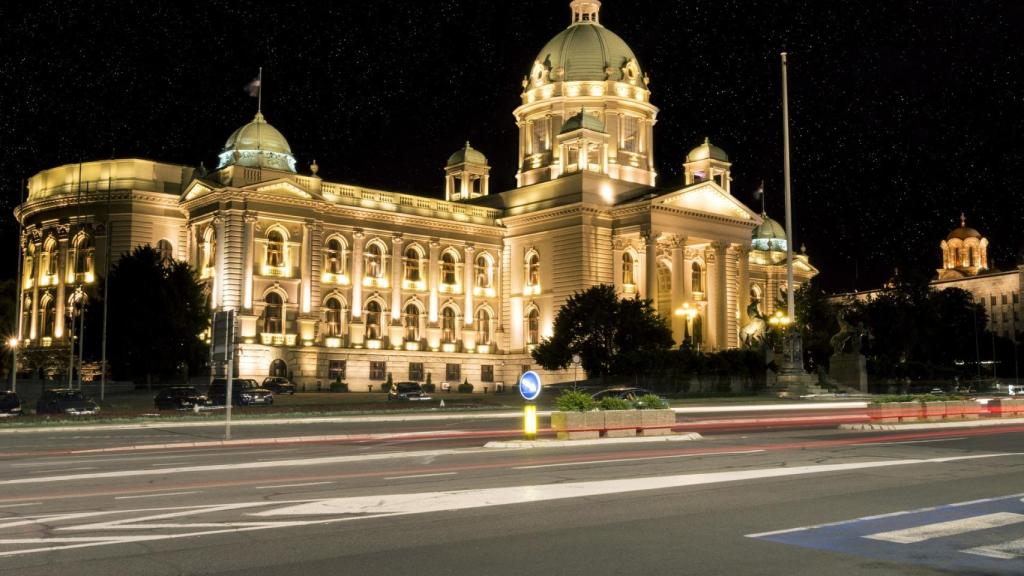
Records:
x=1015, y=390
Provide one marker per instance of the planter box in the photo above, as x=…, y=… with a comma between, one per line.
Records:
x=933, y=411
x=910, y=411
x=962, y=409
x=621, y=423
x=1006, y=408
x=572, y=425
x=888, y=413
x=660, y=418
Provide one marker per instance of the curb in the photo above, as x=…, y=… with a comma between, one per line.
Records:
x=596, y=442
x=931, y=425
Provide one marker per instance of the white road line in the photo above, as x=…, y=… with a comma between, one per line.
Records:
x=64, y=470
x=156, y=495
x=950, y=528
x=417, y=503
x=292, y=485
x=19, y=505
x=631, y=459
x=1005, y=551
x=359, y=458
x=167, y=464
x=419, y=476
x=914, y=441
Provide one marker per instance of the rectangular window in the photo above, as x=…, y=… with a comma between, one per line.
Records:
x=630, y=133
x=487, y=373
x=992, y=300
x=1016, y=298
x=1006, y=317
x=416, y=371
x=453, y=372
x=1004, y=298
x=336, y=370
x=378, y=370
x=526, y=368
x=540, y=133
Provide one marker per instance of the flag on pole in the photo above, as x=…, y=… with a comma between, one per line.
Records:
x=253, y=88
x=759, y=193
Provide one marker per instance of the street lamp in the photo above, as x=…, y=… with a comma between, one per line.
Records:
x=12, y=343
x=779, y=321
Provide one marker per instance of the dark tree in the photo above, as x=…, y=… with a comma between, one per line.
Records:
x=606, y=332
x=156, y=314
x=816, y=319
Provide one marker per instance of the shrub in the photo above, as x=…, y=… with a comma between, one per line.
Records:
x=465, y=387
x=339, y=386
x=610, y=403
x=650, y=402
x=385, y=386
x=429, y=387
x=574, y=401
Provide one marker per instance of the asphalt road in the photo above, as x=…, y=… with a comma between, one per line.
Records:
x=766, y=502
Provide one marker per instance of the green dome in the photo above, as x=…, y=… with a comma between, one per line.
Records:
x=587, y=51
x=467, y=155
x=770, y=235
x=705, y=151
x=582, y=120
x=258, y=145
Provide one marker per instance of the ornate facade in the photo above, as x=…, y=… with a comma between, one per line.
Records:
x=336, y=281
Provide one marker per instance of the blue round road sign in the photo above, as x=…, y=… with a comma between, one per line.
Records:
x=529, y=385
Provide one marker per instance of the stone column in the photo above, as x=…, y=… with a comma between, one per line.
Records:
x=37, y=264
x=678, y=244
x=651, y=267
x=358, y=238
x=218, y=270
x=396, y=276
x=62, y=259
x=249, y=221
x=618, y=247
x=721, y=296
x=305, y=270
x=468, y=330
x=432, y=278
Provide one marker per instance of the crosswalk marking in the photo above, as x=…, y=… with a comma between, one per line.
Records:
x=1005, y=551
x=950, y=528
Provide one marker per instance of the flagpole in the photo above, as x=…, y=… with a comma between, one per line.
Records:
x=106, y=294
x=259, y=93
x=790, y=305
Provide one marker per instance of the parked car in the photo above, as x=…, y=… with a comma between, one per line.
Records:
x=629, y=393
x=10, y=404
x=278, y=385
x=407, y=391
x=244, y=392
x=179, y=398
x=65, y=401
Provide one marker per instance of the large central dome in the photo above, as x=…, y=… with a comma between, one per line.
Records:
x=586, y=50
x=258, y=145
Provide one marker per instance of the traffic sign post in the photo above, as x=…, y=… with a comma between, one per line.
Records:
x=224, y=351
x=529, y=389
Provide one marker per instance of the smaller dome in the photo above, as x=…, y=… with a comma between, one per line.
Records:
x=258, y=145
x=582, y=120
x=963, y=232
x=705, y=151
x=770, y=235
x=467, y=155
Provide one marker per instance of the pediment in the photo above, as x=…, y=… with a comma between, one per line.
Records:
x=709, y=198
x=196, y=189
x=282, y=187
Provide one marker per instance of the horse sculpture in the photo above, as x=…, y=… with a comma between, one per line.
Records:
x=847, y=340
x=752, y=335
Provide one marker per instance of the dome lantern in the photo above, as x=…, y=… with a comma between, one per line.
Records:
x=964, y=252
x=466, y=175
x=708, y=162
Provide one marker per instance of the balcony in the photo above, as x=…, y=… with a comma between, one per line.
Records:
x=484, y=292
x=274, y=339
x=629, y=288
x=449, y=288
x=332, y=342
x=418, y=285
x=531, y=290
x=331, y=278
x=206, y=272
x=376, y=282
x=276, y=271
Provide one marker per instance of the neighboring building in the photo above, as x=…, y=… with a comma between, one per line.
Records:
x=965, y=265
x=337, y=281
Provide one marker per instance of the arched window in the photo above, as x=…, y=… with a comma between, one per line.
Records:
x=627, y=268
x=448, y=268
x=533, y=327
x=48, y=317
x=484, y=272
x=412, y=265
x=332, y=317
x=483, y=326
x=696, y=277
x=334, y=257
x=210, y=249
x=273, y=312
x=970, y=256
x=411, y=320
x=83, y=255
x=26, y=318
x=166, y=251
x=50, y=257
x=374, y=261
x=275, y=249
x=448, y=325
x=533, y=270
x=30, y=261
x=373, y=315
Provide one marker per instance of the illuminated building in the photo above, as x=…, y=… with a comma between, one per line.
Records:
x=331, y=280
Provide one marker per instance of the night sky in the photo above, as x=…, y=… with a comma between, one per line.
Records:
x=903, y=114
